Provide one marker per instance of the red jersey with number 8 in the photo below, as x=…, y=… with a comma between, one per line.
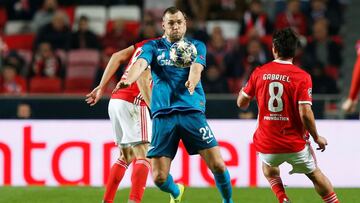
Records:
x=279, y=88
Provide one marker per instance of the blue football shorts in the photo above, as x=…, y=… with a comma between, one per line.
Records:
x=191, y=127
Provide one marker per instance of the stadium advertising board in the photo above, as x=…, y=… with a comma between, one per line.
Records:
x=80, y=152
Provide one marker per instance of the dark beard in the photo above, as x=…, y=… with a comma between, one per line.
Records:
x=175, y=38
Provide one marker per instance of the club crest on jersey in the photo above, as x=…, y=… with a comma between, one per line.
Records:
x=310, y=92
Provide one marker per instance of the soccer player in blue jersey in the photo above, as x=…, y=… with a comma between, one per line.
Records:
x=177, y=107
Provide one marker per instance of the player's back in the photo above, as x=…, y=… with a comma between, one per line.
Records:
x=279, y=88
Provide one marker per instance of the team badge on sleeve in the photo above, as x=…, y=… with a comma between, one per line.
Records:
x=310, y=92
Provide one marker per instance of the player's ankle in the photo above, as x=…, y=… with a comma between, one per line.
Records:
x=227, y=200
x=284, y=199
x=133, y=201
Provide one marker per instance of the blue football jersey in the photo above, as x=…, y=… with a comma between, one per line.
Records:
x=169, y=92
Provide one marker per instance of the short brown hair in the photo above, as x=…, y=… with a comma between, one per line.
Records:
x=173, y=10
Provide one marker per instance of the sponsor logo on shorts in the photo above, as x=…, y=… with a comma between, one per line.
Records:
x=151, y=147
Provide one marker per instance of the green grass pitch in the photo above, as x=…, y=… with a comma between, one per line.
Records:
x=154, y=195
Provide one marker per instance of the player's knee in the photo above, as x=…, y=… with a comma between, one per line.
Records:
x=127, y=158
x=311, y=176
x=269, y=173
x=159, y=177
x=218, y=167
x=315, y=175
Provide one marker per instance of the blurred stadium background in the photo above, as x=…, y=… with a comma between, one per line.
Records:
x=53, y=52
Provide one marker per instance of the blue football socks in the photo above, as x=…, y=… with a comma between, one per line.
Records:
x=170, y=186
x=223, y=183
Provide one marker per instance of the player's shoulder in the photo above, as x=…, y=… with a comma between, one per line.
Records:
x=151, y=41
x=259, y=69
x=301, y=72
x=195, y=41
x=288, y=66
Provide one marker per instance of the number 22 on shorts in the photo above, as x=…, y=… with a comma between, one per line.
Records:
x=206, y=134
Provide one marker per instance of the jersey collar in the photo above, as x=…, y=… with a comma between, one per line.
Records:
x=170, y=43
x=282, y=61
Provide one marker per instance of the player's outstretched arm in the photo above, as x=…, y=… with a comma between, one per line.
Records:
x=144, y=86
x=133, y=75
x=308, y=120
x=194, y=77
x=243, y=100
x=350, y=104
x=115, y=61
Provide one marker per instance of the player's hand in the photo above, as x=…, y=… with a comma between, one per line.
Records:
x=120, y=85
x=321, y=142
x=94, y=96
x=349, y=106
x=190, y=86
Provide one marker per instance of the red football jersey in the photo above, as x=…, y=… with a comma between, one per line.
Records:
x=131, y=93
x=355, y=82
x=279, y=88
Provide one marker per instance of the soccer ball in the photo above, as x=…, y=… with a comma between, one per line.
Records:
x=183, y=53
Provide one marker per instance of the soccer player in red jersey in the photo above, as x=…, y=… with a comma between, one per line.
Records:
x=350, y=104
x=283, y=93
x=131, y=122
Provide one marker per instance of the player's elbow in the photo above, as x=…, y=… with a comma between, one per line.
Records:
x=197, y=68
x=239, y=103
x=140, y=64
x=142, y=82
x=118, y=56
x=242, y=102
x=243, y=106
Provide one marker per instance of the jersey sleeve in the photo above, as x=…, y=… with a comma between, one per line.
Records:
x=249, y=89
x=201, y=53
x=305, y=90
x=147, y=52
x=355, y=82
x=136, y=45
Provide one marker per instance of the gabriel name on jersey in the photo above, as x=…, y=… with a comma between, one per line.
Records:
x=277, y=77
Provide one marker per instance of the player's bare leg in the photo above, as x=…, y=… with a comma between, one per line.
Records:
x=216, y=164
x=272, y=174
x=160, y=169
x=213, y=159
x=323, y=186
x=117, y=173
x=140, y=172
x=127, y=155
x=162, y=178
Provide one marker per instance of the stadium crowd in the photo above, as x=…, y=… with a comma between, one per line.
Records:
x=58, y=46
